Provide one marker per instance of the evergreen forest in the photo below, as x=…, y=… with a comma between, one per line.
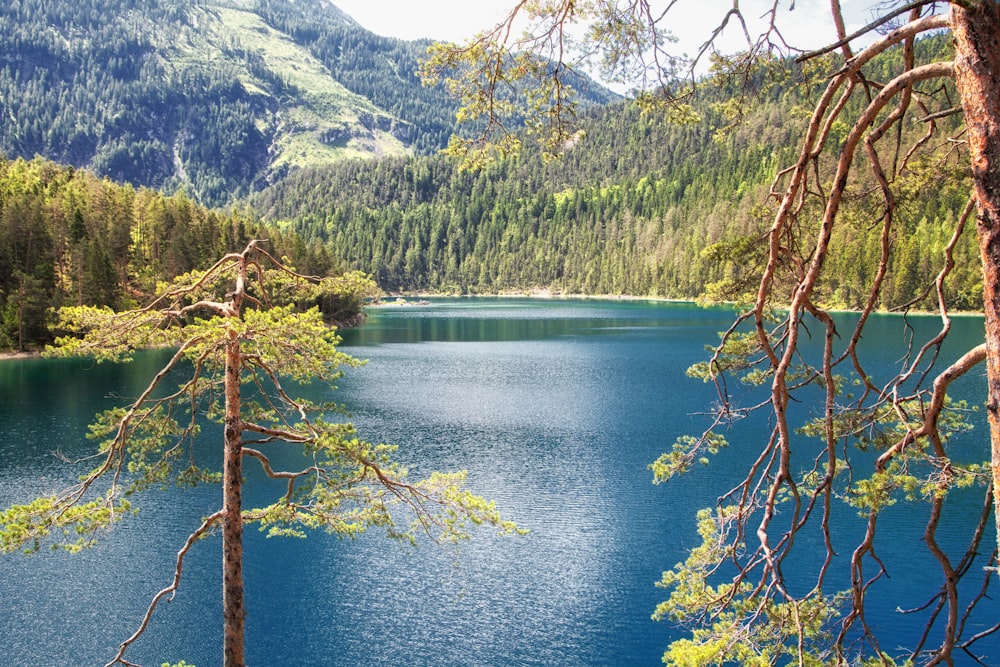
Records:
x=68, y=237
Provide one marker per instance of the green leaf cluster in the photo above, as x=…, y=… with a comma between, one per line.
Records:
x=687, y=450
x=65, y=522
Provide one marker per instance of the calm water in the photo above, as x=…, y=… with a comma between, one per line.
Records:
x=555, y=408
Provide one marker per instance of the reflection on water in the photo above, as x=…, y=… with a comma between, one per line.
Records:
x=556, y=410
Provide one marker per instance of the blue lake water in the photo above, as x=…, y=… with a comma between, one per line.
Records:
x=556, y=409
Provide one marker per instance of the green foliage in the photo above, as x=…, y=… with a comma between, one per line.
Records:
x=917, y=474
x=684, y=454
x=740, y=355
x=65, y=521
x=627, y=210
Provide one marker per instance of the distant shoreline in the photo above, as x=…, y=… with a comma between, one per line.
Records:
x=425, y=299
x=412, y=298
x=19, y=355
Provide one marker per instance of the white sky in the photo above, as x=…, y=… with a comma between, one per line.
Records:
x=806, y=27
x=454, y=20
x=451, y=20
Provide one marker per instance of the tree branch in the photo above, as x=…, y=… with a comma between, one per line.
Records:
x=205, y=526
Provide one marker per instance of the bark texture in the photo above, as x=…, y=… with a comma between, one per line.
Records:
x=976, y=29
x=233, y=610
x=232, y=520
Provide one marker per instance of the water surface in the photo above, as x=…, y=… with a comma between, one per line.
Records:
x=556, y=409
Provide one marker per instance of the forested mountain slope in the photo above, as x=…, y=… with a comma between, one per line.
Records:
x=637, y=206
x=216, y=97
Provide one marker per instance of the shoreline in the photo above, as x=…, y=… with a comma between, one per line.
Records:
x=394, y=298
x=423, y=299
x=4, y=356
x=412, y=298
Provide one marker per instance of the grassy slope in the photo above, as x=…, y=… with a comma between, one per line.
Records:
x=326, y=122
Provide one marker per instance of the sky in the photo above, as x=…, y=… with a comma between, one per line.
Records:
x=455, y=20
x=450, y=20
x=807, y=26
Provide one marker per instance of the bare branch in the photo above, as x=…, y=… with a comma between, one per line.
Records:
x=882, y=20
x=200, y=532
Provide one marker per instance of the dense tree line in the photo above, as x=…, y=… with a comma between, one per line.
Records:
x=637, y=206
x=68, y=237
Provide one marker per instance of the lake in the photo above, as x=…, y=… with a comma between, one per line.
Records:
x=556, y=408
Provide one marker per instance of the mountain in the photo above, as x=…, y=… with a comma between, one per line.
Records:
x=218, y=98
x=637, y=206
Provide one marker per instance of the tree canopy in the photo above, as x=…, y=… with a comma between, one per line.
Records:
x=637, y=205
x=835, y=434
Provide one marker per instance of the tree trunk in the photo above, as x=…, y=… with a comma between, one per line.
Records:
x=977, y=74
x=232, y=520
x=20, y=317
